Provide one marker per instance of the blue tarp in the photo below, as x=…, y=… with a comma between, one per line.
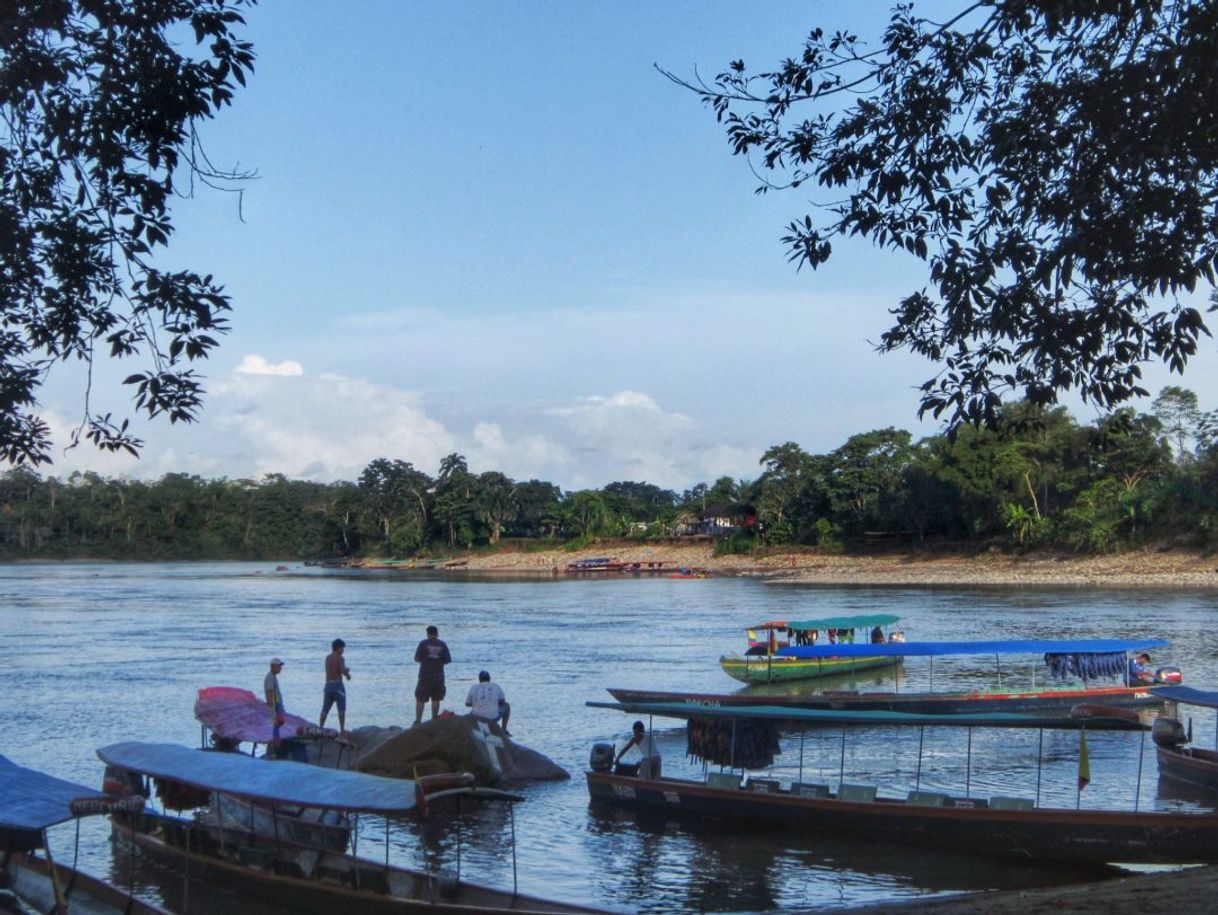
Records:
x=938, y=649
x=271, y=781
x=686, y=710
x=1188, y=695
x=31, y=801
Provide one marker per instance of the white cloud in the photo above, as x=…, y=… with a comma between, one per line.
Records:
x=253, y=364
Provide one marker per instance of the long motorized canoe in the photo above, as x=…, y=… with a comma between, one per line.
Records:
x=1074, y=670
x=993, y=824
x=302, y=878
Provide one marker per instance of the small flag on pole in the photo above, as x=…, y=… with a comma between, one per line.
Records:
x=1084, y=761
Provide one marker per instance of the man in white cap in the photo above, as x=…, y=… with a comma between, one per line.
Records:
x=274, y=698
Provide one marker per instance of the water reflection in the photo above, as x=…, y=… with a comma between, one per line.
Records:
x=742, y=869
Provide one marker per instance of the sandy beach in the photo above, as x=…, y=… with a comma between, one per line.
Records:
x=1140, y=569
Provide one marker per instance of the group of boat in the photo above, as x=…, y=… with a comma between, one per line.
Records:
x=725, y=731
x=283, y=829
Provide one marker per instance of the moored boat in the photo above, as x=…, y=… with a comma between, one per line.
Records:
x=767, y=659
x=31, y=802
x=1073, y=673
x=1192, y=766
x=299, y=876
x=958, y=821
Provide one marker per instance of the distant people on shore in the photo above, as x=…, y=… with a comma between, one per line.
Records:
x=431, y=656
x=334, y=693
x=486, y=700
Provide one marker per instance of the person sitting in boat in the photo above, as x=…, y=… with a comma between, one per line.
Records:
x=1139, y=670
x=877, y=636
x=649, y=765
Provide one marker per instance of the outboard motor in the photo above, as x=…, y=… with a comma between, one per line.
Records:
x=601, y=758
x=1168, y=732
x=1168, y=675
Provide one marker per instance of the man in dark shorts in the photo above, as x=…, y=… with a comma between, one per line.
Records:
x=432, y=655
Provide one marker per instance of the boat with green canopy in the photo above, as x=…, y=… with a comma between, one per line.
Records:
x=767, y=658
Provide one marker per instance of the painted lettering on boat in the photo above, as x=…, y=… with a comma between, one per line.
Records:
x=672, y=797
x=625, y=791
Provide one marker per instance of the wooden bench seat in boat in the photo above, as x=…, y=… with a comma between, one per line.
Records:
x=728, y=780
x=1012, y=803
x=927, y=799
x=809, y=789
x=858, y=793
x=765, y=785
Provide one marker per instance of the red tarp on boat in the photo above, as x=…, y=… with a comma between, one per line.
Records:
x=237, y=714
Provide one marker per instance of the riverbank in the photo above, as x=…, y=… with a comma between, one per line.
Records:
x=1138, y=569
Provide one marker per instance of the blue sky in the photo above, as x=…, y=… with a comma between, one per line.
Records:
x=496, y=229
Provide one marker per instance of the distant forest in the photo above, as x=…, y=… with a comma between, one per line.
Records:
x=1038, y=479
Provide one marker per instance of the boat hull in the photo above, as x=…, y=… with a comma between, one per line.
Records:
x=1189, y=766
x=1050, y=700
x=313, y=881
x=1051, y=834
x=780, y=669
x=29, y=877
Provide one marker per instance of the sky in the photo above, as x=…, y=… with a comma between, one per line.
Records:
x=496, y=229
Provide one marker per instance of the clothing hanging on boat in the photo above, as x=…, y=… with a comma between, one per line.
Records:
x=1086, y=666
x=755, y=746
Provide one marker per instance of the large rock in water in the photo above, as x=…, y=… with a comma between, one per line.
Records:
x=457, y=743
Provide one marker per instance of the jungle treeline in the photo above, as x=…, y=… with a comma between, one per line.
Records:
x=1038, y=479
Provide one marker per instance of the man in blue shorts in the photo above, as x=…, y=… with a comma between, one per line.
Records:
x=335, y=693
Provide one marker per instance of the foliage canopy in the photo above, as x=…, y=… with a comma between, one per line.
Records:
x=98, y=110
x=1052, y=161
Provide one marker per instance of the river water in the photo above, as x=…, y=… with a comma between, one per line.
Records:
x=91, y=654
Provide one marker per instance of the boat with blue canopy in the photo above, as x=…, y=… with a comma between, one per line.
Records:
x=767, y=658
x=268, y=865
x=1071, y=671
x=744, y=744
x=31, y=803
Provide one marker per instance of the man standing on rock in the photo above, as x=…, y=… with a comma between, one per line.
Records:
x=335, y=692
x=431, y=655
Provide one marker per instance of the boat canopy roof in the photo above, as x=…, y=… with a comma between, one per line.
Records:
x=269, y=781
x=685, y=710
x=237, y=714
x=31, y=801
x=937, y=649
x=832, y=622
x=1189, y=695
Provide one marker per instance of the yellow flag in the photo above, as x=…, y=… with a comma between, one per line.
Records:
x=1084, y=761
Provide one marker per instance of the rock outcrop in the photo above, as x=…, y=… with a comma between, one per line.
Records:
x=455, y=743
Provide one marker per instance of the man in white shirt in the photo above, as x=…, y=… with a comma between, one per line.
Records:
x=486, y=700
x=649, y=765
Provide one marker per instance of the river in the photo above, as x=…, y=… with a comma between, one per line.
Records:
x=95, y=653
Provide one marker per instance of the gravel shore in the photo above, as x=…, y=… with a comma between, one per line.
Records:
x=1140, y=569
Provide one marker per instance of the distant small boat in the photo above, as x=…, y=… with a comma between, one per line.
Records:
x=767, y=659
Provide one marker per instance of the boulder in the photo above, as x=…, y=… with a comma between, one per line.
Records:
x=455, y=743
